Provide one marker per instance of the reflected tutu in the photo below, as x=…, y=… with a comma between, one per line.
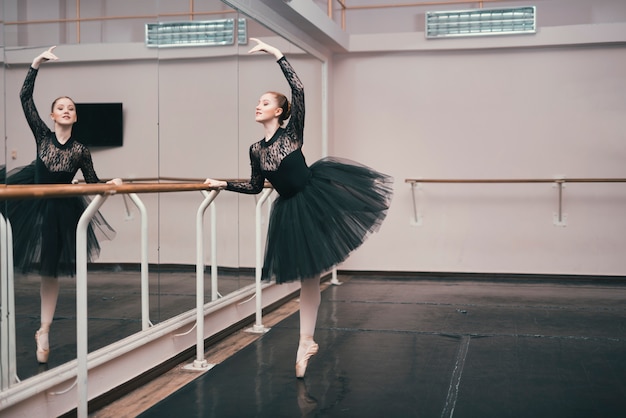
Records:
x=318, y=227
x=52, y=220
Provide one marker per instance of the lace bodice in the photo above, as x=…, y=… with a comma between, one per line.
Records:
x=56, y=162
x=266, y=157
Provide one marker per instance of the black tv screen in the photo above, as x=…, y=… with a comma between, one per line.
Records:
x=99, y=124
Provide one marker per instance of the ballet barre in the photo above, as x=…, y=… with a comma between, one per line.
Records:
x=102, y=192
x=559, y=218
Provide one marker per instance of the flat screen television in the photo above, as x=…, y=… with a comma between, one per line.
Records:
x=99, y=124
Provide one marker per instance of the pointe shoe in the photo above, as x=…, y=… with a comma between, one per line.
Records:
x=304, y=361
x=43, y=349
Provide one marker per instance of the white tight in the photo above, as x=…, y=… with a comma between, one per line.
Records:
x=309, y=303
x=49, y=292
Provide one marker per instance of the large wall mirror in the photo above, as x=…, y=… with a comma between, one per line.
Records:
x=100, y=62
x=188, y=114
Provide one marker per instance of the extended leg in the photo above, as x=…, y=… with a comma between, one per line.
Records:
x=310, y=298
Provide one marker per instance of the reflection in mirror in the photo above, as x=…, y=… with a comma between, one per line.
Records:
x=98, y=62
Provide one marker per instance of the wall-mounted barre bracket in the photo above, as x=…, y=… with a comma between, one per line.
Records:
x=416, y=220
x=559, y=218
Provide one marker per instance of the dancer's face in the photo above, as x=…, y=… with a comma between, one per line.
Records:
x=64, y=111
x=267, y=109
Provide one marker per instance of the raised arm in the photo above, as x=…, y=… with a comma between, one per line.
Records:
x=263, y=47
x=296, y=121
x=37, y=125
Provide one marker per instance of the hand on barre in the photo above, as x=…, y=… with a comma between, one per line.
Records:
x=220, y=184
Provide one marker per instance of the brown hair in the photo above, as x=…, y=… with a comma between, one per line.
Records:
x=59, y=98
x=284, y=104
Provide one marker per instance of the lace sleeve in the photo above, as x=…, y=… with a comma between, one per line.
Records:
x=295, y=127
x=257, y=180
x=86, y=166
x=37, y=125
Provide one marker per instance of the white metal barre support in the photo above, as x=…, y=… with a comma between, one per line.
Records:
x=200, y=362
x=11, y=302
x=213, y=219
x=559, y=218
x=81, y=304
x=333, y=279
x=8, y=364
x=417, y=218
x=258, y=324
x=145, y=277
x=4, y=307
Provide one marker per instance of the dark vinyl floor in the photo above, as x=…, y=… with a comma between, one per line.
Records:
x=114, y=309
x=432, y=348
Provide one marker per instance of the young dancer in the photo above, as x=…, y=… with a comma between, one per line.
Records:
x=323, y=212
x=44, y=230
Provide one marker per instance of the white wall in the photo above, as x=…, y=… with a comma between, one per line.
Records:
x=522, y=113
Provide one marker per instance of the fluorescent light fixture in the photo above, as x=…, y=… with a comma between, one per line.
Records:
x=242, y=31
x=193, y=33
x=481, y=22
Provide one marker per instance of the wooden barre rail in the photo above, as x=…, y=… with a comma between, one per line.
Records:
x=20, y=191
x=181, y=179
x=555, y=180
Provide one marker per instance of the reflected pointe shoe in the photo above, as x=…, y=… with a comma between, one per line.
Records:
x=303, y=362
x=43, y=349
x=306, y=402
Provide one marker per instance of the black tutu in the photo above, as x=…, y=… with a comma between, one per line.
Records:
x=318, y=227
x=44, y=230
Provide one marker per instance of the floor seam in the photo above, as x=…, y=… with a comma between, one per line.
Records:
x=455, y=380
